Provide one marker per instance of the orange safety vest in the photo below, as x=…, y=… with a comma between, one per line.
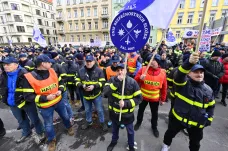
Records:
x=45, y=87
x=131, y=63
x=110, y=73
x=151, y=85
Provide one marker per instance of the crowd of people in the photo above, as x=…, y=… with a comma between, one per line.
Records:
x=43, y=80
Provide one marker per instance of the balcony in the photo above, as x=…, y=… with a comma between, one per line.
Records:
x=61, y=32
x=104, y=16
x=60, y=19
x=105, y=29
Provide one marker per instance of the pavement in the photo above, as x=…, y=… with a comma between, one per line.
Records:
x=215, y=136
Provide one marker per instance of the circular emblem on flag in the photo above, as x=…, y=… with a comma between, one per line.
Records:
x=130, y=31
x=189, y=33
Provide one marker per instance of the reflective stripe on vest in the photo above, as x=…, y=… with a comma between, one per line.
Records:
x=92, y=97
x=131, y=63
x=186, y=120
x=45, y=87
x=118, y=110
x=110, y=73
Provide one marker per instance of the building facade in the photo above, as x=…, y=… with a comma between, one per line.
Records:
x=189, y=14
x=79, y=21
x=18, y=17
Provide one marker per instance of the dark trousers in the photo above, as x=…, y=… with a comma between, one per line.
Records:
x=130, y=133
x=154, y=112
x=72, y=91
x=175, y=126
x=1, y=126
x=224, y=91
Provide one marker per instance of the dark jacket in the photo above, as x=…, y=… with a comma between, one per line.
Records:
x=19, y=85
x=114, y=86
x=214, y=71
x=167, y=65
x=71, y=70
x=27, y=64
x=93, y=76
x=61, y=73
x=194, y=101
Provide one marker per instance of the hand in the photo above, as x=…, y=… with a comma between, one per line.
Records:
x=90, y=88
x=51, y=97
x=194, y=58
x=58, y=93
x=142, y=77
x=84, y=86
x=162, y=103
x=121, y=103
x=120, y=77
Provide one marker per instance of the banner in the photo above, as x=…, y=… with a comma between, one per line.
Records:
x=38, y=37
x=216, y=31
x=195, y=33
x=170, y=39
x=205, y=42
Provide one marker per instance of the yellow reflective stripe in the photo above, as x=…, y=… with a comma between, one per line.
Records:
x=118, y=110
x=69, y=82
x=70, y=75
x=89, y=82
x=113, y=87
x=78, y=79
x=171, y=94
x=63, y=74
x=170, y=87
x=185, y=120
x=107, y=84
x=132, y=102
x=181, y=69
x=24, y=90
x=102, y=79
x=150, y=92
x=37, y=98
x=21, y=105
x=92, y=97
x=62, y=63
x=30, y=68
x=61, y=86
x=180, y=84
x=137, y=93
x=211, y=103
x=59, y=78
x=131, y=68
x=150, y=96
x=171, y=80
x=47, y=104
x=100, y=84
x=77, y=83
x=122, y=97
x=210, y=119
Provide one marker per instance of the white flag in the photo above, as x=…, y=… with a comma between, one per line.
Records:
x=170, y=38
x=158, y=12
x=38, y=37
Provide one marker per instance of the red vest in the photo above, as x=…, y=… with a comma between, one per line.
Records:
x=151, y=85
x=45, y=87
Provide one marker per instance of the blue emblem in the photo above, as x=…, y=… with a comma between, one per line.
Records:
x=138, y=5
x=189, y=33
x=130, y=31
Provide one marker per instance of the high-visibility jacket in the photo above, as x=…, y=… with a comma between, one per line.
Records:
x=110, y=73
x=152, y=85
x=131, y=63
x=44, y=87
x=178, y=52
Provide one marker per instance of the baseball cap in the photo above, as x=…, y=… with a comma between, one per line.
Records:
x=196, y=67
x=120, y=65
x=89, y=58
x=9, y=60
x=23, y=55
x=115, y=58
x=43, y=58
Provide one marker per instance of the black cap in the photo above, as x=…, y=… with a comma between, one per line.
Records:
x=216, y=54
x=115, y=58
x=54, y=54
x=120, y=65
x=89, y=58
x=196, y=67
x=43, y=58
x=9, y=60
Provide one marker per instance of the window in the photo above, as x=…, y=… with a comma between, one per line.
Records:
x=105, y=24
x=74, y=2
x=75, y=13
x=224, y=13
x=60, y=14
x=96, y=37
x=119, y=1
x=72, y=38
x=48, y=33
x=95, y=11
x=200, y=17
x=96, y=24
x=1, y=40
x=225, y=2
x=202, y=3
x=182, y=4
x=21, y=29
x=106, y=37
x=76, y=26
x=14, y=6
x=177, y=34
x=37, y=12
x=83, y=26
x=68, y=2
x=70, y=26
x=69, y=14
x=88, y=12
x=18, y=18
x=5, y=31
x=87, y=1
x=82, y=12
x=52, y=16
x=58, y=2
x=212, y=16
x=214, y=2
x=42, y=31
x=39, y=22
x=84, y=38
x=78, y=38
x=2, y=20
x=192, y=3
x=190, y=18
x=46, y=23
x=53, y=24
x=151, y=39
x=180, y=17
x=105, y=10
x=89, y=25
x=81, y=1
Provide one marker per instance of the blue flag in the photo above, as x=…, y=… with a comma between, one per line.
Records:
x=38, y=37
x=170, y=38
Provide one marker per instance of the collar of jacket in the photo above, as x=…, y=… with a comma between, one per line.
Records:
x=196, y=83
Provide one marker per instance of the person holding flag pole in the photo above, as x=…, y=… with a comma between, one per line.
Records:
x=194, y=102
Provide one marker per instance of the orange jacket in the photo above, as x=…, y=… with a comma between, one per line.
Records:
x=131, y=63
x=110, y=73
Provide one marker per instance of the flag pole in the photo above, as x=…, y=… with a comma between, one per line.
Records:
x=123, y=86
x=201, y=25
